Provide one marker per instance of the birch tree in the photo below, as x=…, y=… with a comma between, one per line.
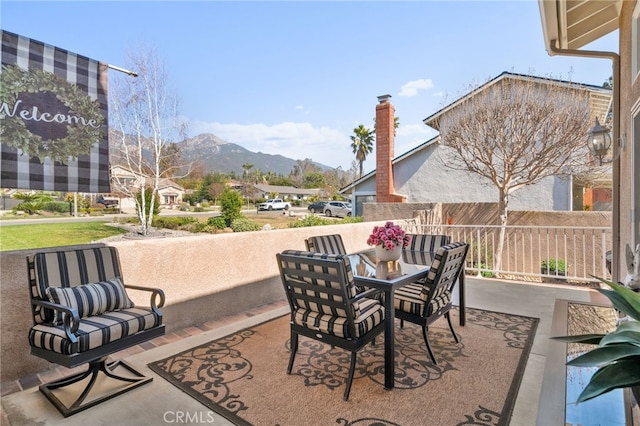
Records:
x=145, y=125
x=516, y=133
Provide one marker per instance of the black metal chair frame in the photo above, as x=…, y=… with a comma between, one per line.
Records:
x=446, y=275
x=96, y=358
x=291, y=285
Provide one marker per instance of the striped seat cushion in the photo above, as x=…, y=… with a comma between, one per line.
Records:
x=94, y=331
x=371, y=314
x=91, y=299
x=412, y=298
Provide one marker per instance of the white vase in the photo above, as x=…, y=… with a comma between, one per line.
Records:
x=388, y=256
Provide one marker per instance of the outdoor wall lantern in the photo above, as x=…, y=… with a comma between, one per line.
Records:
x=599, y=141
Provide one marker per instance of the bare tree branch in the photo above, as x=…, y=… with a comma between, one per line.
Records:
x=517, y=132
x=145, y=114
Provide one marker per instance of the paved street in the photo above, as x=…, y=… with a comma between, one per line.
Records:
x=111, y=217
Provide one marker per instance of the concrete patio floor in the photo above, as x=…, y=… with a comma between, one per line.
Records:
x=160, y=402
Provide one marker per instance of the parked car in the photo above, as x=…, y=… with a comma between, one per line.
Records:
x=274, y=204
x=317, y=207
x=338, y=209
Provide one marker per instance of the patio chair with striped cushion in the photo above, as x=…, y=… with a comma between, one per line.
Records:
x=427, y=242
x=424, y=303
x=82, y=314
x=325, y=305
x=331, y=244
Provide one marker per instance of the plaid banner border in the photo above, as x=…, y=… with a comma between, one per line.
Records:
x=86, y=173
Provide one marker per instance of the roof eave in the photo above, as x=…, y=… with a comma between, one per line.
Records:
x=574, y=25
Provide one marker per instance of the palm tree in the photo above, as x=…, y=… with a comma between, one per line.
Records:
x=362, y=144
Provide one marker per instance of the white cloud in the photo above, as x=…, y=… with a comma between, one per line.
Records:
x=411, y=88
x=293, y=140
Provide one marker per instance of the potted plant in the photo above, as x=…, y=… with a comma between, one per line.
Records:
x=553, y=267
x=388, y=241
x=617, y=356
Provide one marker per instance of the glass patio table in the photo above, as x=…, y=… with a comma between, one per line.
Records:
x=412, y=266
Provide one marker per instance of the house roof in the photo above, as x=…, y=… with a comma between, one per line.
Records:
x=574, y=24
x=121, y=171
x=286, y=189
x=600, y=96
x=167, y=183
x=600, y=103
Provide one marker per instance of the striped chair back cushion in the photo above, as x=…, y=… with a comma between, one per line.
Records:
x=331, y=244
x=430, y=243
x=448, y=263
x=327, y=277
x=71, y=268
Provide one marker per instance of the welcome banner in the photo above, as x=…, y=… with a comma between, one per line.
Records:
x=53, y=118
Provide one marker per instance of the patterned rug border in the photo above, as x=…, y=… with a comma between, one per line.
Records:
x=505, y=415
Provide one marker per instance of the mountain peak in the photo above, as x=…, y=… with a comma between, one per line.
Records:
x=218, y=155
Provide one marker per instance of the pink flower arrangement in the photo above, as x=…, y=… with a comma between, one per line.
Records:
x=389, y=237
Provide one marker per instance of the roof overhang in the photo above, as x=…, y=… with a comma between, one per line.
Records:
x=576, y=23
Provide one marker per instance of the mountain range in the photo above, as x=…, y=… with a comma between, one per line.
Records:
x=217, y=155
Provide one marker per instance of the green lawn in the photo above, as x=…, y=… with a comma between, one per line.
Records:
x=20, y=237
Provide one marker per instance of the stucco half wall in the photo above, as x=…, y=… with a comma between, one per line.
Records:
x=204, y=277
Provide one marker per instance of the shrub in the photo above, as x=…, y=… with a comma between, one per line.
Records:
x=172, y=222
x=310, y=220
x=217, y=222
x=230, y=205
x=486, y=272
x=209, y=229
x=55, y=206
x=553, y=265
x=315, y=220
x=352, y=219
x=242, y=224
x=194, y=227
x=27, y=206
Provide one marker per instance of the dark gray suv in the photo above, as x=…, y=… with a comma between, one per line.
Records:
x=317, y=207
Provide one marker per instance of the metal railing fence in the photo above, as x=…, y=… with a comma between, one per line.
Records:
x=568, y=252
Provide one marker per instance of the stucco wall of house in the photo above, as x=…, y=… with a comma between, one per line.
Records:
x=423, y=177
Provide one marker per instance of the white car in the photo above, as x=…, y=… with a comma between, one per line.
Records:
x=337, y=208
x=274, y=204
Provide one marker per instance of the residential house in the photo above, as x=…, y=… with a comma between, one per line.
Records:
x=287, y=192
x=568, y=27
x=125, y=181
x=420, y=175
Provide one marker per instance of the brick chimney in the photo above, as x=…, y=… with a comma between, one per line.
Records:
x=385, y=113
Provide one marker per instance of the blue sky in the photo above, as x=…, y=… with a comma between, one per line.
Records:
x=296, y=77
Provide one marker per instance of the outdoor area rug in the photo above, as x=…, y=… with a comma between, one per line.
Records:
x=243, y=376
